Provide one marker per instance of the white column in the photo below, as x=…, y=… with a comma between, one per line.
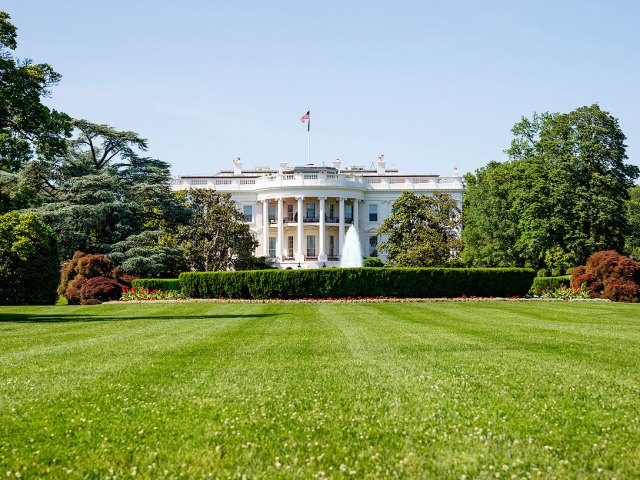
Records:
x=322, y=256
x=265, y=227
x=300, y=252
x=341, y=226
x=356, y=218
x=280, y=241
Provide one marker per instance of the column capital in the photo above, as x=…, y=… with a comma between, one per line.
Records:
x=299, y=197
x=322, y=198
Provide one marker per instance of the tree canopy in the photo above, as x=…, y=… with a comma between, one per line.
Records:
x=559, y=198
x=217, y=238
x=27, y=126
x=422, y=231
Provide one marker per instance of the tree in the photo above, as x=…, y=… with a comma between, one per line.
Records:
x=489, y=227
x=632, y=242
x=148, y=255
x=26, y=124
x=217, y=238
x=563, y=196
x=423, y=231
x=102, y=190
x=29, y=260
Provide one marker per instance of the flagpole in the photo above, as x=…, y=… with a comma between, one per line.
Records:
x=309, y=139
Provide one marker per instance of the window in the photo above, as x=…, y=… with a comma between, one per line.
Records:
x=332, y=245
x=332, y=212
x=373, y=213
x=348, y=213
x=290, y=212
x=311, y=211
x=290, y=246
x=373, y=246
x=248, y=213
x=272, y=213
x=311, y=245
x=272, y=247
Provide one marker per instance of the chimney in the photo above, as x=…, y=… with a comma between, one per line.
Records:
x=237, y=166
x=336, y=164
x=281, y=167
x=381, y=165
x=455, y=173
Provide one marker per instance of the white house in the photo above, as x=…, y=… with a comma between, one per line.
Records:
x=300, y=214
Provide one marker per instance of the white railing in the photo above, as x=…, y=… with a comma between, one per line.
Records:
x=360, y=182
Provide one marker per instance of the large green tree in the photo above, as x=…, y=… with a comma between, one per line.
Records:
x=422, y=231
x=563, y=193
x=217, y=238
x=27, y=126
x=104, y=190
x=632, y=245
x=29, y=260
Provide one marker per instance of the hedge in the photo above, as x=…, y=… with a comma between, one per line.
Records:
x=156, y=284
x=552, y=282
x=359, y=282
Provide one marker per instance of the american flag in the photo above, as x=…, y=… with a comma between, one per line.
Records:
x=306, y=116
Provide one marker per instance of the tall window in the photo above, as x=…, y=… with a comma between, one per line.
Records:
x=373, y=246
x=290, y=212
x=348, y=213
x=311, y=245
x=290, y=246
x=272, y=247
x=332, y=212
x=332, y=245
x=272, y=212
x=248, y=213
x=311, y=210
x=373, y=213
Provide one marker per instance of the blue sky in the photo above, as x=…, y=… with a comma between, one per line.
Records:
x=431, y=85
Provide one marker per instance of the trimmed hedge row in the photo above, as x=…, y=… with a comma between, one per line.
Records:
x=156, y=284
x=553, y=283
x=359, y=282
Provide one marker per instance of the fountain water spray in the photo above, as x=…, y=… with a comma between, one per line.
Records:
x=351, y=253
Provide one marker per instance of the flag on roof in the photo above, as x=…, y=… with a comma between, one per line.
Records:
x=306, y=116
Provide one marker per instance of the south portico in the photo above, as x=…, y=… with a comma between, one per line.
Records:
x=307, y=228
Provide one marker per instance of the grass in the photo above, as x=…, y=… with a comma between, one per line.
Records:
x=441, y=390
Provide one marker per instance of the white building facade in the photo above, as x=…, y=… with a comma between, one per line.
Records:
x=300, y=215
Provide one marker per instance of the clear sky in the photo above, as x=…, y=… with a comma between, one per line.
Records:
x=429, y=84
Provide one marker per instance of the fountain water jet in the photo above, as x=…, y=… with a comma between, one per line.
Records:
x=351, y=253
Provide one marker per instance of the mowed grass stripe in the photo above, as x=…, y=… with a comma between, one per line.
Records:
x=334, y=390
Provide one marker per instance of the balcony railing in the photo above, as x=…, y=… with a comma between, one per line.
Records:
x=294, y=219
x=352, y=180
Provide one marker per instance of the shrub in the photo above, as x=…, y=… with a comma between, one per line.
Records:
x=372, y=262
x=29, y=260
x=172, y=284
x=358, y=282
x=543, y=273
x=101, y=289
x=82, y=267
x=541, y=284
x=610, y=275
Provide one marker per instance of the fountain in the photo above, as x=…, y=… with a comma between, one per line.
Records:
x=351, y=253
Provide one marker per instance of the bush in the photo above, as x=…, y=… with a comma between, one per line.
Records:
x=609, y=275
x=542, y=284
x=164, y=284
x=372, y=262
x=101, y=289
x=543, y=273
x=29, y=260
x=359, y=282
x=82, y=267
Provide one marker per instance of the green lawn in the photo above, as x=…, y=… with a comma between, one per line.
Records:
x=414, y=390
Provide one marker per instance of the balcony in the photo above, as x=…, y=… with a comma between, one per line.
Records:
x=294, y=219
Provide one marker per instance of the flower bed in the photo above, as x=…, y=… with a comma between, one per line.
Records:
x=143, y=294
